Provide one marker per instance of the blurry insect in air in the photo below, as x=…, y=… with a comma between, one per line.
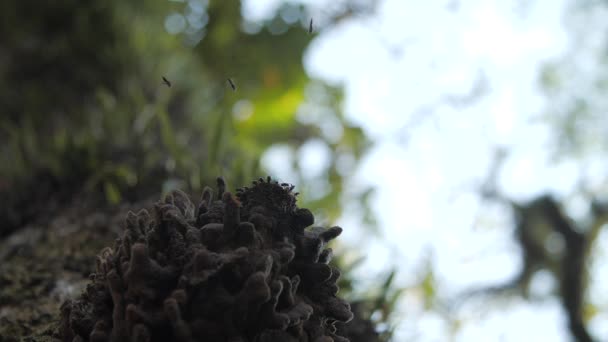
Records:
x=166, y=81
x=310, y=26
x=232, y=85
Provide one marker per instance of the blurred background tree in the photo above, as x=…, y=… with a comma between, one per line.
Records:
x=84, y=105
x=559, y=229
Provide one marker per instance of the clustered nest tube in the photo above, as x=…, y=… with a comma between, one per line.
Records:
x=235, y=268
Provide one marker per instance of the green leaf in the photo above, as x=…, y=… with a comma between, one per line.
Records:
x=428, y=289
x=112, y=193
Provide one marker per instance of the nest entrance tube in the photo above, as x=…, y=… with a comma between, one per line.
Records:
x=238, y=267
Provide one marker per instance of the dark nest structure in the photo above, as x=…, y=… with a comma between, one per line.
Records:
x=234, y=268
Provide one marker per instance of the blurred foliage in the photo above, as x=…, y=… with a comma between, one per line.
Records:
x=576, y=83
x=84, y=99
x=378, y=302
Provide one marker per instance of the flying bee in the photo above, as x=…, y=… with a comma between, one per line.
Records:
x=166, y=81
x=232, y=85
x=310, y=26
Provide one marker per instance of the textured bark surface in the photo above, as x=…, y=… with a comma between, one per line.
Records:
x=49, y=260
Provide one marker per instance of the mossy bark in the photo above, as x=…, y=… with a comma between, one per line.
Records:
x=49, y=260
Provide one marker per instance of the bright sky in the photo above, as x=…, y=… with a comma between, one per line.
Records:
x=403, y=71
